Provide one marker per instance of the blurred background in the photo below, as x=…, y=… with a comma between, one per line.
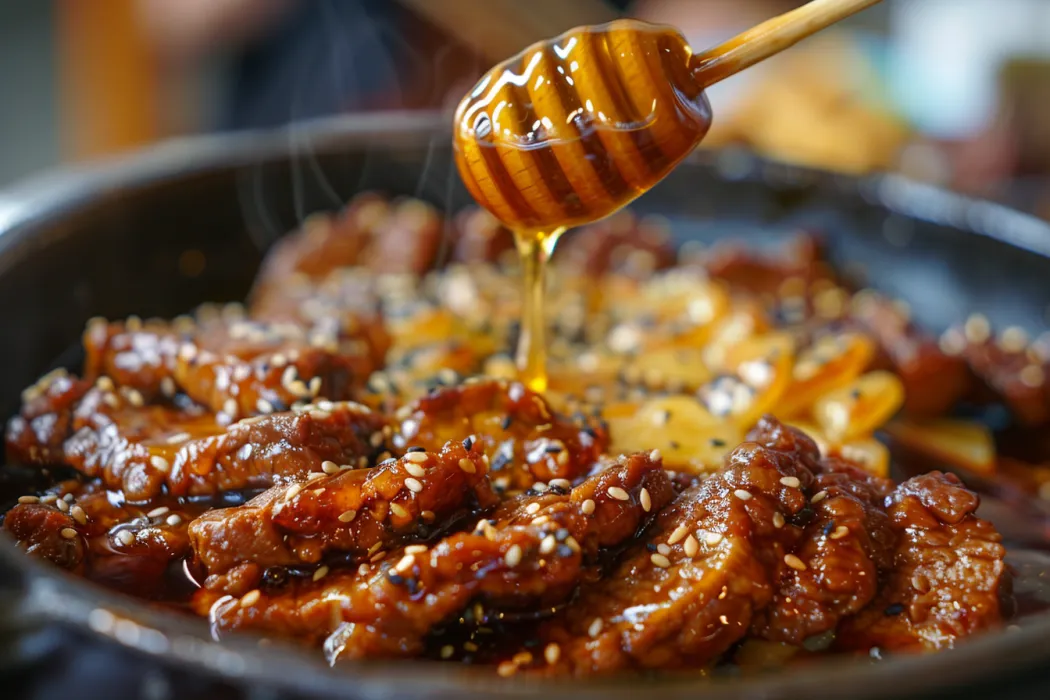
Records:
x=955, y=92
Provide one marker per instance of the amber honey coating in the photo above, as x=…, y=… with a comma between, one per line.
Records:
x=572, y=129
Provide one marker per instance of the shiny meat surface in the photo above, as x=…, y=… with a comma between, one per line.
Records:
x=349, y=512
x=948, y=571
x=350, y=462
x=531, y=551
x=232, y=365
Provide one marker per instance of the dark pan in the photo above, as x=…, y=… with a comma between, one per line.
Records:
x=120, y=239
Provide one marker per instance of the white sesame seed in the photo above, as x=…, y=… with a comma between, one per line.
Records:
x=314, y=476
x=539, y=487
x=174, y=520
x=167, y=387
x=691, y=546
x=329, y=467
x=320, y=573
x=62, y=505
x=791, y=482
x=79, y=515
x=560, y=483
x=712, y=538
x=1032, y=376
x=678, y=535
x=68, y=533
x=229, y=407
x=135, y=398
x=159, y=463
x=416, y=549
x=413, y=485
x=417, y=457
x=157, y=512
x=572, y=544
x=818, y=497
x=551, y=653
x=293, y=492
x=840, y=532
x=742, y=494
x=28, y=499
x=513, y=556
x=618, y=493
x=106, y=384
x=794, y=562
x=532, y=508
x=125, y=537
x=398, y=510
x=263, y=406
x=595, y=628
x=467, y=466
x=778, y=520
x=183, y=437
x=663, y=549
x=251, y=598
x=68, y=498
x=406, y=563
x=315, y=386
x=660, y=560
x=414, y=469
x=548, y=545
x=587, y=507
x=347, y=516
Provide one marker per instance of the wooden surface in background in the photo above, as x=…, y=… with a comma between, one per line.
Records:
x=109, y=80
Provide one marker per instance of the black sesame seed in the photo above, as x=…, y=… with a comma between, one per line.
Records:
x=275, y=576
x=416, y=449
x=553, y=449
x=590, y=432
x=893, y=609
x=717, y=442
x=855, y=393
x=468, y=443
x=507, y=420
x=674, y=444
x=650, y=546
x=564, y=550
x=395, y=578
x=561, y=534
x=829, y=528
x=413, y=585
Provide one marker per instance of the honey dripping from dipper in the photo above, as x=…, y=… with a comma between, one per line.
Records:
x=573, y=129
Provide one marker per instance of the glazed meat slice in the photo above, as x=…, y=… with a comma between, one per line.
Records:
x=323, y=243
x=711, y=561
x=621, y=244
x=44, y=531
x=38, y=433
x=348, y=513
x=948, y=572
x=104, y=432
x=532, y=552
x=748, y=270
x=933, y=380
x=844, y=549
x=142, y=450
x=254, y=452
x=523, y=438
x=83, y=528
x=236, y=366
x=1014, y=375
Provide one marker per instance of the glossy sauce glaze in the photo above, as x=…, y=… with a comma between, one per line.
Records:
x=640, y=514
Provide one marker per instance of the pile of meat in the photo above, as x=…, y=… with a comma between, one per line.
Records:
x=462, y=519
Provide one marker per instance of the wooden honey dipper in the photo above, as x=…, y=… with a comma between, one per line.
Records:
x=572, y=129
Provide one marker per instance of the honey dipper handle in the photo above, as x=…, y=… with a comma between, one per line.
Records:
x=771, y=37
